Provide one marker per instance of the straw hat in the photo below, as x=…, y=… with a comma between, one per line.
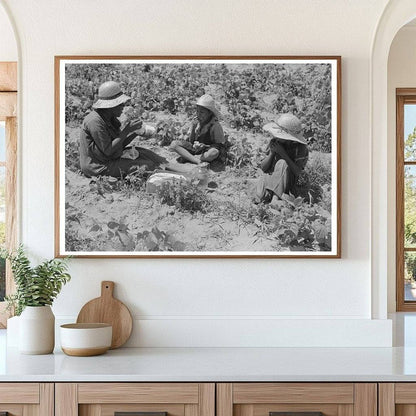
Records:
x=110, y=95
x=287, y=127
x=207, y=101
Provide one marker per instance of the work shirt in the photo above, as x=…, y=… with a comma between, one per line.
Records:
x=95, y=146
x=297, y=152
x=210, y=133
x=279, y=178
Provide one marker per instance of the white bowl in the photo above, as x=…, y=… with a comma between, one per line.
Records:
x=84, y=340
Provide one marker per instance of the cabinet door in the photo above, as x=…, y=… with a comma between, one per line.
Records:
x=26, y=399
x=144, y=399
x=297, y=399
x=397, y=399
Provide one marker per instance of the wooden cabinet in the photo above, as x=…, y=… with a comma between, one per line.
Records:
x=106, y=399
x=263, y=399
x=27, y=399
x=397, y=399
x=208, y=399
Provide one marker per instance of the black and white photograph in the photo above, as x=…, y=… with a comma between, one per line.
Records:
x=197, y=156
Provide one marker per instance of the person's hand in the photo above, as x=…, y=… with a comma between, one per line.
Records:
x=131, y=127
x=197, y=146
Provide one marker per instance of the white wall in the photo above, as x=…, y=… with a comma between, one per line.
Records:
x=401, y=74
x=8, y=47
x=177, y=301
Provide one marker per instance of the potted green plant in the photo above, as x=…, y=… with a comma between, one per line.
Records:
x=36, y=289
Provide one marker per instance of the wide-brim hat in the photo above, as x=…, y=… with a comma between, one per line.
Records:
x=110, y=95
x=287, y=127
x=208, y=102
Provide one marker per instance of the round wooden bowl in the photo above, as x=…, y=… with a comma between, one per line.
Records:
x=86, y=339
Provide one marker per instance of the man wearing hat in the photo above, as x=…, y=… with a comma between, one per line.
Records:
x=103, y=141
x=206, y=137
x=287, y=157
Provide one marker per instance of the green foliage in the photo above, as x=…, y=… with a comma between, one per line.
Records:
x=156, y=240
x=169, y=130
x=410, y=146
x=410, y=208
x=116, y=230
x=317, y=173
x=410, y=266
x=134, y=181
x=128, y=185
x=304, y=90
x=243, y=153
x=326, y=197
x=35, y=286
x=2, y=234
x=302, y=226
x=120, y=230
x=2, y=278
x=410, y=192
x=291, y=223
x=185, y=196
x=72, y=154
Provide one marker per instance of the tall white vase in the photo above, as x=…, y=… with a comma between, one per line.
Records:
x=37, y=330
x=13, y=332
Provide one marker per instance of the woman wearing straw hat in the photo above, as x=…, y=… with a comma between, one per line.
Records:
x=103, y=142
x=206, y=137
x=287, y=157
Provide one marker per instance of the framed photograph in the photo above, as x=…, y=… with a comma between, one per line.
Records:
x=198, y=156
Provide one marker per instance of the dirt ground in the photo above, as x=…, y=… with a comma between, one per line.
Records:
x=111, y=216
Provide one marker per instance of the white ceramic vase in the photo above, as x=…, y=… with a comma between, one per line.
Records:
x=37, y=330
x=13, y=332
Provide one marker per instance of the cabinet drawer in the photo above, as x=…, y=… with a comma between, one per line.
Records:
x=21, y=399
x=138, y=393
x=107, y=399
x=296, y=399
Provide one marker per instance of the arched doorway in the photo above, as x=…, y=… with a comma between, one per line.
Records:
x=396, y=14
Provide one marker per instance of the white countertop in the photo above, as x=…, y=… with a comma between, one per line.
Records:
x=213, y=364
x=221, y=364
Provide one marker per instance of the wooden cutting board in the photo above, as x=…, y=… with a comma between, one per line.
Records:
x=107, y=309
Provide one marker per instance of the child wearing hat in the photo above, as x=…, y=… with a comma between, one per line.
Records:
x=102, y=146
x=206, y=136
x=287, y=157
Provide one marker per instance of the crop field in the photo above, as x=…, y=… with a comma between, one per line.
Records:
x=107, y=214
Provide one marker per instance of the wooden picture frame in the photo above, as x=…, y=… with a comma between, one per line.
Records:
x=225, y=213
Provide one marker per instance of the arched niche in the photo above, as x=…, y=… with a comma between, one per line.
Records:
x=396, y=14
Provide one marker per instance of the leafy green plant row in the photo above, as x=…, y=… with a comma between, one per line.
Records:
x=243, y=96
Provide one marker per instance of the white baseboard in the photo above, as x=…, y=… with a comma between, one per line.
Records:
x=255, y=332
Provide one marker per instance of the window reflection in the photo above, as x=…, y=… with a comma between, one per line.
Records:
x=2, y=206
x=409, y=202
x=410, y=132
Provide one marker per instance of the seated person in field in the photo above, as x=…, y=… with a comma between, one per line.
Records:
x=206, y=137
x=102, y=147
x=287, y=157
